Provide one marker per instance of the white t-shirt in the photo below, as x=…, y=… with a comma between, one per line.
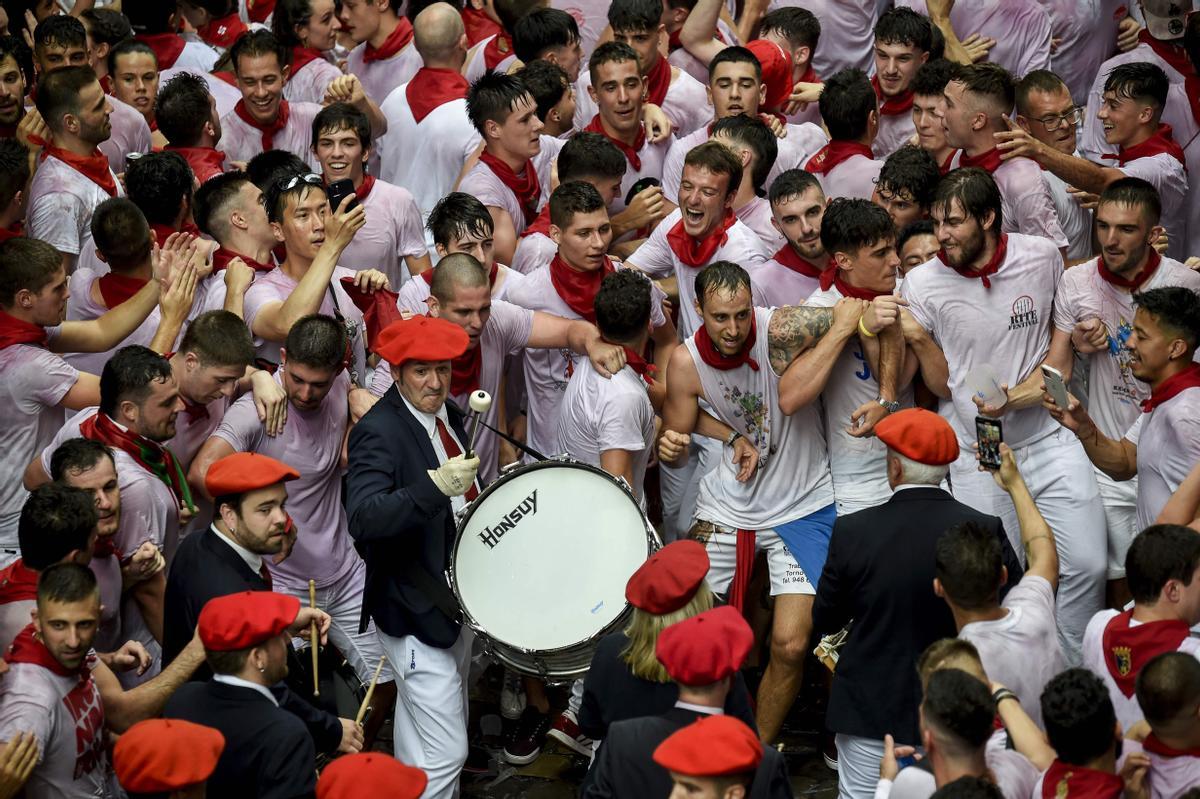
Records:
x=1015, y=777
x=686, y=103
x=1025, y=198
x=1170, y=776
x=393, y=231
x=533, y=250
x=1087, y=35
x=1076, y=221
x=1168, y=447
x=130, y=134
x=308, y=84
x=1021, y=29
x=855, y=178
x=1166, y=174
x=847, y=33
x=482, y=182
x=241, y=142
x=775, y=285
x=380, y=77
x=61, y=202
x=895, y=130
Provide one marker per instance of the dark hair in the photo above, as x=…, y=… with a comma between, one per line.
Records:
x=509, y=11
x=15, y=46
x=543, y=29
x=215, y=8
x=14, y=170
x=78, y=455
x=67, y=582
x=1078, y=716
x=219, y=338
x=254, y=43
x=922, y=227
x=611, y=53
x=968, y=788
x=752, y=133
x=734, y=54
x=1134, y=192
x=458, y=215
x=265, y=169
x=338, y=117
x=622, y=305
x=850, y=224
x=455, y=271
x=129, y=47
x=718, y=159
x=792, y=183
x=1160, y=553
x=161, y=185
x=968, y=563
x=635, y=15
x=1168, y=690
x=128, y=374
x=276, y=196
x=107, y=26
x=989, y=80
x=121, y=234
x=60, y=29
x=58, y=93
x=911, y=170
x=289, y=14
x=149, y=16
x=976, y=192
x=799, y=26
x=212, y=199
x=904, y=26
x=1178, y=310
x=55, y=520
x=932, y=77
x=1140, y=81
x=846, y=104
x=573, y=198
x=1039, y=80
x=493, y=97
x=720, y=276
x=26, y=265
x=547, y=83
x=316, y=341
x=960, y=705
x=230, y=662
x=182, y=109
x=590, y=155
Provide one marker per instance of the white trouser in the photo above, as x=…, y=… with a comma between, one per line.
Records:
x=342, y=600
x=1063, y=485
x=1120, y=513
x=431, y=708
x=680, y=487
x=575, y=700
x=858, y=766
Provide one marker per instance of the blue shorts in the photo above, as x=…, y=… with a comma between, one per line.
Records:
x=807, y=538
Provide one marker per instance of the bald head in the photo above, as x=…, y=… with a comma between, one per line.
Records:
x=438, y=35
x=455, y=272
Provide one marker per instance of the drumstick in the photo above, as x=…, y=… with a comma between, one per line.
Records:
x=312, y=603
x=362, y=709
x=479, y=402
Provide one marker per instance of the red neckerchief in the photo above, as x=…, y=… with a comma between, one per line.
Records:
x=832, y=277
x=1152, y=744
x=658, y=81
x=835, y=153
x=222, y=257
x=166, y=47
x=396, y=41
x=206, y=162
x=379, y=308
x=94, y=167
x=116, y=289
x=810, y=76
x=634, y=360
x=432, y=88
x=1180, y=381
x=364, y=189
x=227, y=76
x=150, y=455
x=465, y=369
x=427, y=275
x=13, y=232
x=106, y=547
x=260, y=10
x=698, y=253
x=1161, y=142
x=222, y=32
x=268, y=131
x=302, y=57
x=1152, y=263
x=578, y=289
x=990, y=268
x=1126, y=649
x=717, y=360
x=631, y=153
x=163, y=232
x=787, y=256
x=478, y=25
x=527, y=188
x=1063, y=779
x=18, y=583
x=944, y=167
x=28, y=649
x=540, y=224
x=893, y=106
x=988, y=161
x=496, y=50
x=18, y=331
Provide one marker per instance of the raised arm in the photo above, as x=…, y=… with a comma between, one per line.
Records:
x=803, y=379
x=1037, y=538
x=696, y=35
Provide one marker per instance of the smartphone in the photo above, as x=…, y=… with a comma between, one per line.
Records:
x=1055, y=387
x=639, y=187
x=339, y=189
x=989, y=433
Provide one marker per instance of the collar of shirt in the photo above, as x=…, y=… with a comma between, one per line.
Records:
x=253, y=559
x=705, y=709
x=427, y=419
x=905, y=486
x=229, y=679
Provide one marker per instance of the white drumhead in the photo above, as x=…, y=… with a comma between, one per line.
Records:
x=561, y=543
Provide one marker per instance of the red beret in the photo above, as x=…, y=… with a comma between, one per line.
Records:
x=421, y=338
x=370, y=774
x=245, y=471
x=163, y=755
x=776, y=72
x=669, y=578
x=705, y=648
x=920, y=435
x=711, y=747
x=246, y=619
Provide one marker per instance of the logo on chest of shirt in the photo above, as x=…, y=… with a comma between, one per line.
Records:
x=83, y=703
x=1123, y=657
x=1024, y=313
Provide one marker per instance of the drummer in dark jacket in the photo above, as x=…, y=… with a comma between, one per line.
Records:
x=407, y=478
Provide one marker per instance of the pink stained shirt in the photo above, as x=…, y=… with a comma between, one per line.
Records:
x=533, y=250
x=756, y=215
x=1025, y=199
x=652, y=157
x=1170, y=776
x=1021, y=28
x=1076, y=221
x=130, y=134
x=686, y=103
x=1087, y=34
x=592, y=18
x=1168, y=446
x=393, y=231
x=847, y=33
x=308, y=84
x=483, y=183
x=241, y=142
x=855, y=178
x=61, y=202
x=895, y=131
x=775, y=285
x=380, y=78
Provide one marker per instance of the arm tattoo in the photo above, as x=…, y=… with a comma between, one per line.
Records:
x=792, y=330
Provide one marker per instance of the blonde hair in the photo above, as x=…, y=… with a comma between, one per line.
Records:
x=951, y=653
x=644, y=629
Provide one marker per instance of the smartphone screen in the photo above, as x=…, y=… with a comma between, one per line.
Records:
x=989, y=433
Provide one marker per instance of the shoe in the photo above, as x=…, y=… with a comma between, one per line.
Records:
x=512, y=697
x=526, y=743
x=566, y=732
x=479, y=760
x=829, y=752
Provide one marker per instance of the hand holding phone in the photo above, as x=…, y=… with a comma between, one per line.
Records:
x=1055, y=387
x=339, y=189
x=989, y=433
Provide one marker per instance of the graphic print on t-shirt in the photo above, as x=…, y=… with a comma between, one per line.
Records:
x=1024, y=313
x=83, y=703
x=1126, y=391
x=750, y=407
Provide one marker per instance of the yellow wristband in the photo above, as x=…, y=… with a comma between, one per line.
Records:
x=863, y=329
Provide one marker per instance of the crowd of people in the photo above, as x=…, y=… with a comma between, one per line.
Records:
x=291, y=289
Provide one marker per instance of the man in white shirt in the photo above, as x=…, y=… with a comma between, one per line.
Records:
x=229, y=209
x=1018, y=29
x=794, y=271
x=386, y=56
x=755, y=146
x=903, y=39
x=847, y=166
x=1168, y=691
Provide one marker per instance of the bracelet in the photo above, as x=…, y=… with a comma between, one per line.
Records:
x=1003, y=693
x=733, y=437
x=863, y=329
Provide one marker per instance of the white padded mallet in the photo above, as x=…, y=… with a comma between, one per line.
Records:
x=480, y=402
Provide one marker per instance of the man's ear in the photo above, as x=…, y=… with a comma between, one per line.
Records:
x=1022, y=121
x=277, y=231
x=1003, y=576
x=937, y=588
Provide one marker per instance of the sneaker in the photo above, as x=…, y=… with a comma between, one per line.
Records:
x=566, y=732
x=512, y=697
x=829, y=751
x=526, y=743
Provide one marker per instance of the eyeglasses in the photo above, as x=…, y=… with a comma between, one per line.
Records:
x=287, y=184
x=1056, y=121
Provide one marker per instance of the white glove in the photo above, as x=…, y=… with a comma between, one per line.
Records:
x=456, y=476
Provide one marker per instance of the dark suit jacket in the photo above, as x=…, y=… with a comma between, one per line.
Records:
x=625, y=767
x=879, y=574
x=397, y=516
x=268, y=752
x=611, y=693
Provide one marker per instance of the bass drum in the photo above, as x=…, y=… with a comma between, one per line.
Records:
x=541, y=563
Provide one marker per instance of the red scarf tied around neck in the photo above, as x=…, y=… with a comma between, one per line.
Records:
x=498, y=49
x=718, y=360
x=396, y=41
x=302, y=57
x=578, y=289
x=17, y=331
x=18, y=583
x=26, y=648
x=222, y=257
x=526, y=187
x=116, y=289
x=432, y=88
x=892, y=106
x=478, y=25
x=206, y=162
x=658, y=81
x=1162, y=141
x=150, y=455
x=698, y=252
x=1127, y=648
x=269, y=130
x=634, y=360
x=631, y=153
x=94, y=167
x=541, y=224
x=835, y=153
x=989, y=269
x=1173, y=385
x=832, y=276
x=988, y=161
x=1153, y=261
x=787, y=256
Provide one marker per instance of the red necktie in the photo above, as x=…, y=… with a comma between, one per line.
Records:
x=452, y=450
x=266, y=575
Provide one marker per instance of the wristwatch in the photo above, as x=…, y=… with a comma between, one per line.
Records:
x=733, y=437
x=891, y=405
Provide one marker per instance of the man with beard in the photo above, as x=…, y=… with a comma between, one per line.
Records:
x=794, y=271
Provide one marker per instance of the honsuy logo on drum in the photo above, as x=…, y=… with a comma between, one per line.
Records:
x=492, y=535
